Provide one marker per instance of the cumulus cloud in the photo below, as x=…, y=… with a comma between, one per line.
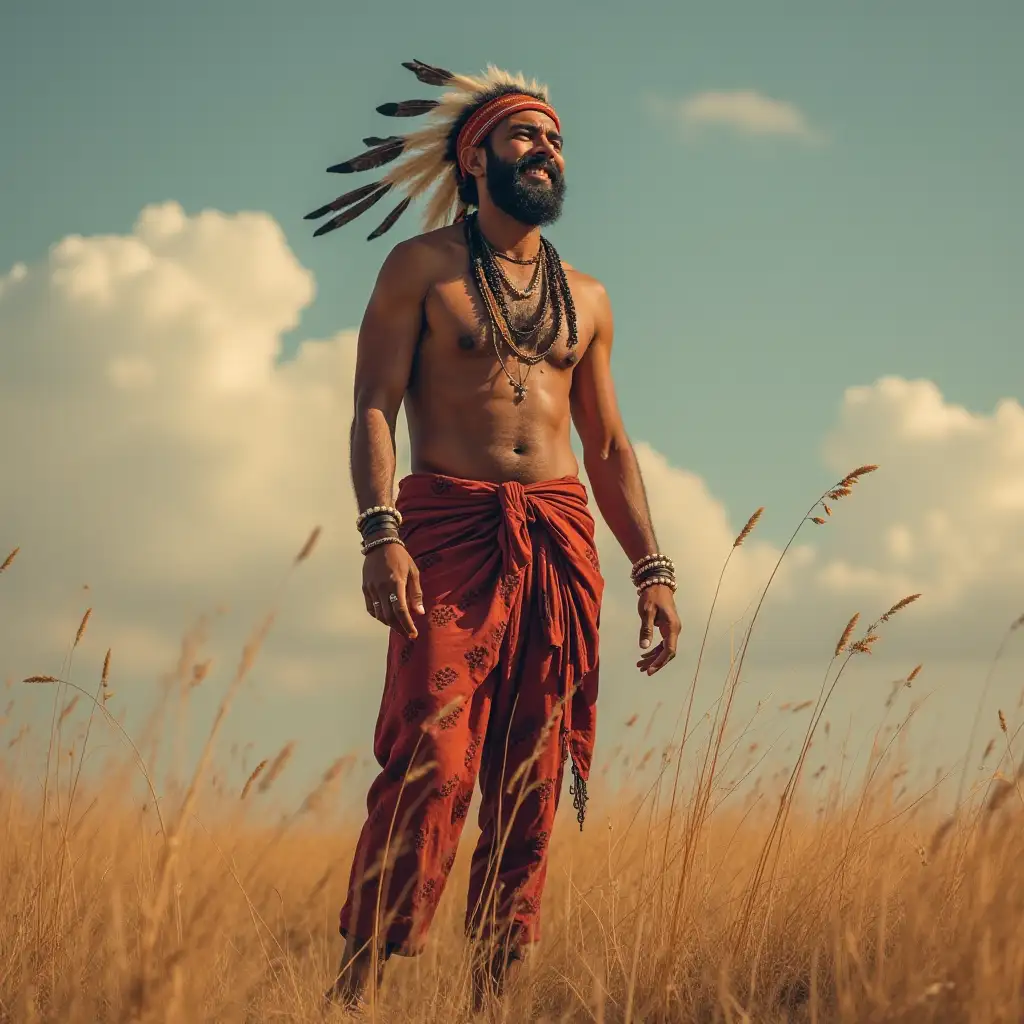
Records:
x=745, y=111
x=155, y=449
x=949, y=519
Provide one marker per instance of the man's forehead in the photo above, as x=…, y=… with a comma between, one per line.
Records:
x=533, y=118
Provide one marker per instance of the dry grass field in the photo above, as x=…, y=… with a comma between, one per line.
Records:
x=717, y=892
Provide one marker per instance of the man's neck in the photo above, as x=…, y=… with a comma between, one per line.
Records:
x=506, y=235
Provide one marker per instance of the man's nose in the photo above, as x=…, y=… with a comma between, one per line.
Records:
x=544, y=146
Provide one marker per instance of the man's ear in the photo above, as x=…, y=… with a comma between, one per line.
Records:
x=476, y=162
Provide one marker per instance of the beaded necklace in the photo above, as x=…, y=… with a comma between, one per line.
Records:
x=490, y=281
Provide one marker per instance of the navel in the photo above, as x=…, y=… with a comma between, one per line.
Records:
x=467, y=342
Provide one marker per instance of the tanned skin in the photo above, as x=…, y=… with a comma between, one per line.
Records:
x=425, y=340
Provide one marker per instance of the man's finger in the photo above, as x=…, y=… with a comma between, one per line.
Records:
x=369, y=599
x=670, y=635
x=380, y=613
x=646, y=626
x=660, y=662
x=400, y=610
x=648, y=658
x=415, y=591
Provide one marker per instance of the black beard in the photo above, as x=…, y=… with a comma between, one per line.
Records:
x=529, y=202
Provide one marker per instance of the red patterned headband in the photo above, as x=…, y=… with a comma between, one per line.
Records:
x=479, y=126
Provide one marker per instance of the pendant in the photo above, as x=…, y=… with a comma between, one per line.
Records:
x=520, y=390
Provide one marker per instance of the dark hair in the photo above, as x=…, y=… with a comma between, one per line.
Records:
x=468, y=193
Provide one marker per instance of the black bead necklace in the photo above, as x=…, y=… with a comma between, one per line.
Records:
x=490, y=281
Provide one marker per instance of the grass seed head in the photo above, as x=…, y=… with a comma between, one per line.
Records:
x=315, y=800
x=451, y=708
x=863, y=646
x=746, y=531
x=853, y=477
x=9, y=559
x=68, y=708
x=82, y=625
x=1002, y=720
x=818, y=520
x=199, y=672
x=256, y=773
x=307, y=548
x=845, y=638
x=899, y=606
x=277, y=766
x=914, y=672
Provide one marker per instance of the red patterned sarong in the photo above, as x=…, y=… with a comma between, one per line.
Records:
x=501, y=683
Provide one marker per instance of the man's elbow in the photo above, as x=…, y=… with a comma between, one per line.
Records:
x=372, y=404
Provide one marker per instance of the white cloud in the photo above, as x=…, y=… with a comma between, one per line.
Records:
x=949, y=500
x=153, y=448
x=742, y=110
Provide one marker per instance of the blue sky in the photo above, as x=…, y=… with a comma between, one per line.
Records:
x=753, y=279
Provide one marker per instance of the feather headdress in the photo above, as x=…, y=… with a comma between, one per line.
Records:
x=431, y=157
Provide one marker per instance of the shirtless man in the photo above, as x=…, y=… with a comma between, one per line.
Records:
x=485, y=569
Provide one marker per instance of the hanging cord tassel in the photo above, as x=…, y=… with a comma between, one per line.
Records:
x=578, y=787
x=579, y=795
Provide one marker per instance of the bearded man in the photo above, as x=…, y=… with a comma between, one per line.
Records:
x=484, y=568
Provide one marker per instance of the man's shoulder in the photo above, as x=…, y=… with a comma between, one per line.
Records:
x=428, y=254
x=585, y=285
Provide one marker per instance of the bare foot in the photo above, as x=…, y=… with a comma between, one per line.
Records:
x=492, y=975
x=348, y=990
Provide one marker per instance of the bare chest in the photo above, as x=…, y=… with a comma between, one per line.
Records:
x=459, y=328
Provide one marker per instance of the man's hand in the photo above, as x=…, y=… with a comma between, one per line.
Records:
x=657, y=607
x=391, y=586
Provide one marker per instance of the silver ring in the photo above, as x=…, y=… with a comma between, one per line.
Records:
x=393, y=598
x=376, y=604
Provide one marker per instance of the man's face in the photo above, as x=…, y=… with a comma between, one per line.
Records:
x=525, y=168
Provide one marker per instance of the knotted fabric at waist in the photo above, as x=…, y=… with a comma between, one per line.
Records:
x=482, y=536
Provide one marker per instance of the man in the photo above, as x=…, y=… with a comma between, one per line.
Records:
x=484, y=569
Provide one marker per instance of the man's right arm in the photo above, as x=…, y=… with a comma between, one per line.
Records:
x=388, y=337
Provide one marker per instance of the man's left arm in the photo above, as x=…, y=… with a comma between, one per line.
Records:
x=616, y=482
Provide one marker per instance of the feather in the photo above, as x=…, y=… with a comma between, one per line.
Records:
x=389, y=221
x=443, y=203
x=376, y=157
x=346, y=200
x=427, y=73
x=407, y=108
x=360, y=208
x=376, y=140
